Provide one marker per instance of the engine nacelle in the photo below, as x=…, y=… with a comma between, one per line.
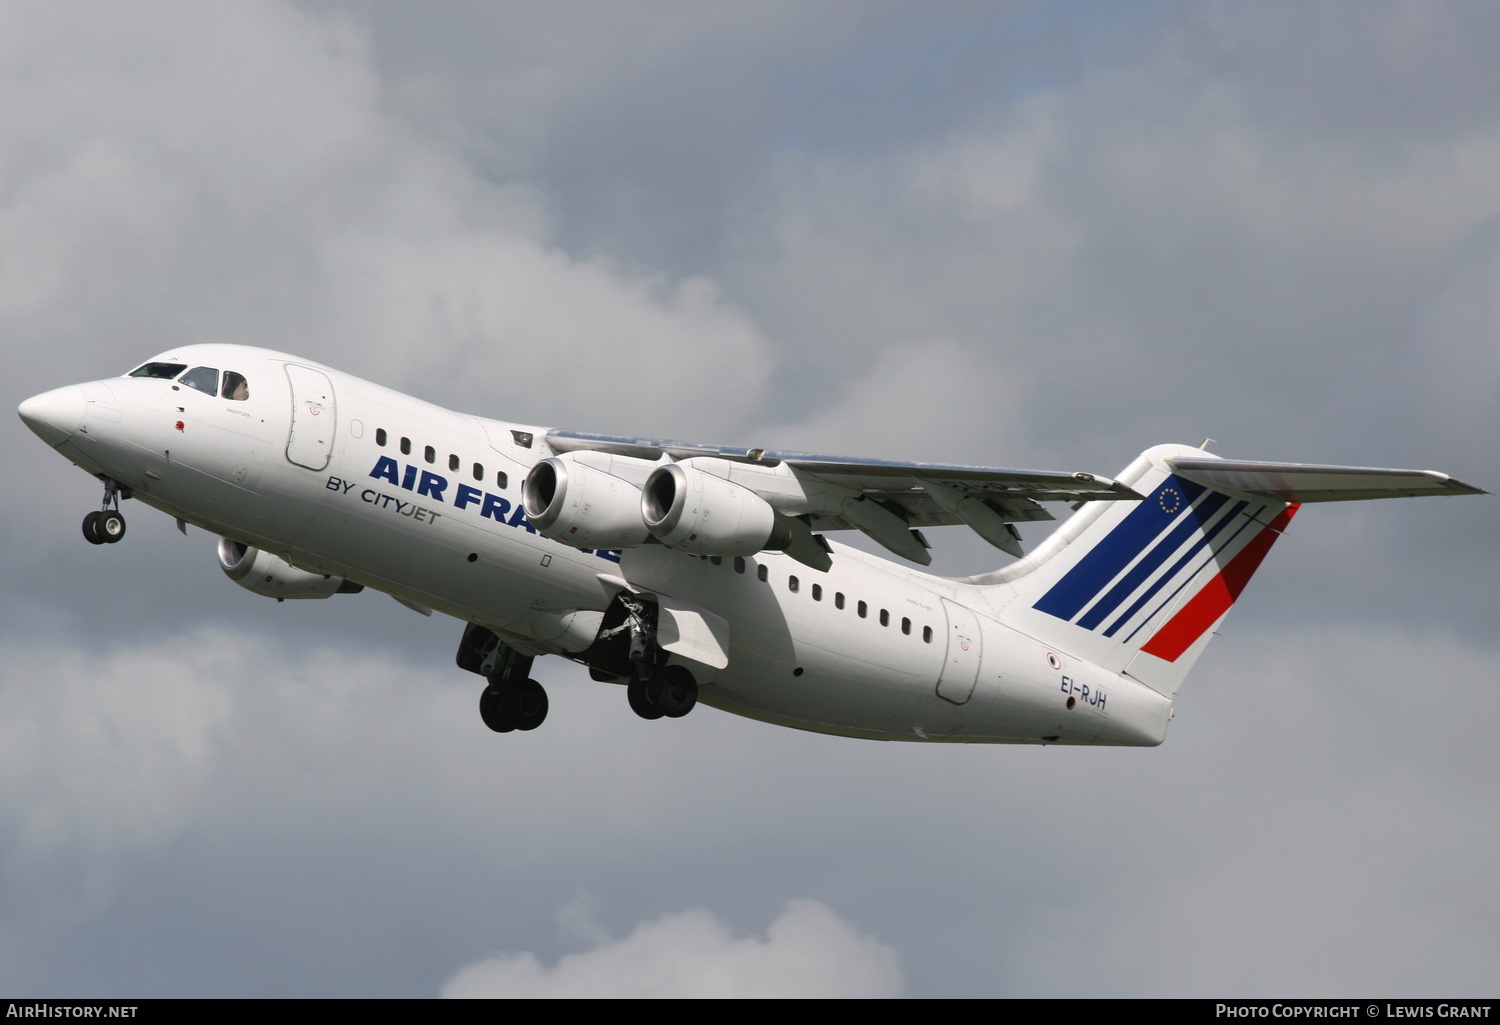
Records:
x=689, y=507
x=274, y=577
x=584, y=500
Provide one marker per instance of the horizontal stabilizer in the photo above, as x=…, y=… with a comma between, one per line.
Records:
x=1298, y=482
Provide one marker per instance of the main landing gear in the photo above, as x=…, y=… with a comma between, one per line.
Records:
x=106, y=526
x=518, y=705
x=655, y=690
x=671, y=691
x=626, y=649
x=509, y=700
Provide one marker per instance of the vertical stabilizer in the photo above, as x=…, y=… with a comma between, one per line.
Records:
x=1138, y=587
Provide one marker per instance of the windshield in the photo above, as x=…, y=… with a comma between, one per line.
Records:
x=166, y=371
x=205, y=379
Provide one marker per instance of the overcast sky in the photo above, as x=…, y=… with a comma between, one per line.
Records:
x=1031, y=234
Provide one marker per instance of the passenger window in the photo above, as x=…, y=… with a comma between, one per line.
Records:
x=236, y=388
x=478, y=471
x=164, y=371
x=760, y=573
x=380, y=436
x=905, y=625
x=502, y=479
x=717, y=560
x=430, y=453
x=817, y=592
x=885, y=618
x=838, y=599
x=452, y=462
x=864, y=610
x=927, y=634
x=739, y=564
x=204, y=379
x=406, y=446
x=793, y=584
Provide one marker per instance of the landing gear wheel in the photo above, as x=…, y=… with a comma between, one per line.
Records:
x=91, y=529
x=110, y=526
x=489, y=711
x=673, y=691
x=524, y=704
x=640, y=704
x=107, y=526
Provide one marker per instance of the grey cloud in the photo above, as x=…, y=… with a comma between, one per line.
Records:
x=808, y=952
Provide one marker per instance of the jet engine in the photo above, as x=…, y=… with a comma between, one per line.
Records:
x=274, y=577
x=586, y=499
x=693, y=510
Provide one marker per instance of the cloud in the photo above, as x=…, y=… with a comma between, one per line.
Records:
x=910, y=395
x=1333, y=839
x=1161, y=244
x=808, y=952
x=247, y=184
x=112, y=751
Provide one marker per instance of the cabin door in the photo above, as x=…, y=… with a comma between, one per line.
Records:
x=313, y=416
x=961, y=669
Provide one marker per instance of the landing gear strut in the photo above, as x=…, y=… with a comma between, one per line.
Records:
x=509, y=701
x=106, y=526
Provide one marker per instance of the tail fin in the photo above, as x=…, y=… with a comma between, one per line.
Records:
x=1138, y=587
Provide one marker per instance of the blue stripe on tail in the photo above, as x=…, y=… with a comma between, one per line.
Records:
x=1140, y=528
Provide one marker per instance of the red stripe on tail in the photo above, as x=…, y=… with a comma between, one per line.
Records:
x=1209, y=604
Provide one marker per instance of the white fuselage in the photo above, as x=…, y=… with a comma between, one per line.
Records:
x=343, y=477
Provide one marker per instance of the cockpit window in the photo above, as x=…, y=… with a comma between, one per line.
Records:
x=166, y=371
x=235, y=387
x=205, y=379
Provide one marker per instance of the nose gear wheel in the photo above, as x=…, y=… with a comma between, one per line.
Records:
x=106, y=526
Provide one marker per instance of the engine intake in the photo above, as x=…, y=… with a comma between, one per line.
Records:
x=273, y=577
x=693, y=510
x=576, y=499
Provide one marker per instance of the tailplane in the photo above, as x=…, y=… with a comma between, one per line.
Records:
x=1138, y=587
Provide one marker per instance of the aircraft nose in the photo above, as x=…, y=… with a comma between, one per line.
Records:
x=56, y=415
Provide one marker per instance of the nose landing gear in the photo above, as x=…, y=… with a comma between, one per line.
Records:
x=106, y=526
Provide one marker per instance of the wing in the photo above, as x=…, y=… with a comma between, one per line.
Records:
x=1299, y=482
x=885, y=499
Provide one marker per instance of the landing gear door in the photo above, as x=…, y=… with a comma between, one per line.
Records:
x=691, y=632
x=961, y=668
x=313, y=417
